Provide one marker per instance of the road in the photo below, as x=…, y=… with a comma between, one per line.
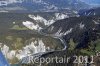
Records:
x=38, y=55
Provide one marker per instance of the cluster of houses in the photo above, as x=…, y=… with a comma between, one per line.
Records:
x=6, y=2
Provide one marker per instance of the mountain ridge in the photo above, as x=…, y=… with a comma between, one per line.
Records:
x=42, y=5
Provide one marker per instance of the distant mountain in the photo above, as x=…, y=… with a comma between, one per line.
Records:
x=90, y=12
x=41, y=5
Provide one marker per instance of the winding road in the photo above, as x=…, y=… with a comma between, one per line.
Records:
x=38, y=55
